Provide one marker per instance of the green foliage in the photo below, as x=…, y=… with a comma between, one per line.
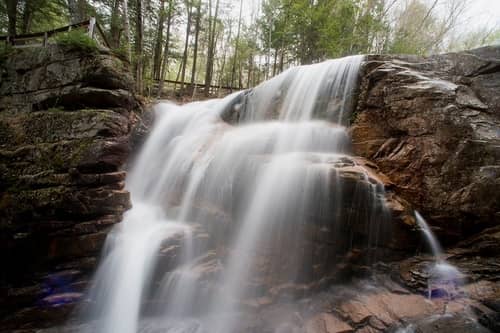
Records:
x=121, y=52
x=310, y=31
x=77, y=40
x=279, y=34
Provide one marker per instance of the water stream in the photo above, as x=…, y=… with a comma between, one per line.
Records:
x=442, y=275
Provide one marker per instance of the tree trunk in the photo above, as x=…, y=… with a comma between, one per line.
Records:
x=211, y=46
x=164, y=64
x=28, y=12
x=221, y=71
x=250, y=69
x=196, y=34
x=240, y=75
x=275, y=63
x=115, y=27
x=138, y=47
x=12, y=15
x=126, y=28
x=186, y=42
x=282, y=56
x=158, y=43
x=233, y=71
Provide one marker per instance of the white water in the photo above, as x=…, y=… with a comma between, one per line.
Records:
x=252, y=185
x=431, y=239
x=442, y=274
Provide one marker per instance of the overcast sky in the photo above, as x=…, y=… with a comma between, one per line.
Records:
x=484, y=12
x=478, y=13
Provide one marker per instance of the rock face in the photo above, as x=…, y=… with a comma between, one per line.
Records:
x=66, y=119
x=432, y=126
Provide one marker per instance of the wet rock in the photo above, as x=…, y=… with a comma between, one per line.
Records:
x=327, y=323
x=65, y=125
x=431, y=125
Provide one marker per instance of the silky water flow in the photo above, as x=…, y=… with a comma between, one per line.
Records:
x=224, y=194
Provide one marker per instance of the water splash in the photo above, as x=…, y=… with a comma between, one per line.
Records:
x=444, y=278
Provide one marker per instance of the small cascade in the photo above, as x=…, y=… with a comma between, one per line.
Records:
x=429, y=236
x=239, y=201
x=443, y=276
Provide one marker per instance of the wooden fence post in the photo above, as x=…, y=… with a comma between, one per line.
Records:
x=91, y=27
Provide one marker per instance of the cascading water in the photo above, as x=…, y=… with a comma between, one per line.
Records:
x=442, y=274
x=226, y=192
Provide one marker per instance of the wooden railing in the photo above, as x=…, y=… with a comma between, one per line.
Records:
x=93, y=29
x=199, y=85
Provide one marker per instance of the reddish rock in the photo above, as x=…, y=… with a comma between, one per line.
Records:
x=327, y=323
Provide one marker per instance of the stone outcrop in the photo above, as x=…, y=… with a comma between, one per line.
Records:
x=66, y=119
x=431, y=124
x=476, y=281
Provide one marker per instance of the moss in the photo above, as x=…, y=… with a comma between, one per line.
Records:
x=77, y=40
x=121, y=53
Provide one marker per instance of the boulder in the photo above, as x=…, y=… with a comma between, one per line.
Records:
x=431, y=125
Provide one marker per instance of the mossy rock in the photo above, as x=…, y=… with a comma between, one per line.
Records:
x=77, y=40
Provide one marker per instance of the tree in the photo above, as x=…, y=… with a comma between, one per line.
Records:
x=212, y=22
x=233, y=71
x=159, y=41
x=420, y=30
x=189, y=10
x=164, y=64
x=12, y=16
x=115, y=25
x=77, y=10
x=196, y=36
x=226, y=48
x=139, y=43
x=126, y=28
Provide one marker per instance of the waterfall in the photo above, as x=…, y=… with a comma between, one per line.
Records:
x=431, y=239
x=226, y=193
x=442, y=275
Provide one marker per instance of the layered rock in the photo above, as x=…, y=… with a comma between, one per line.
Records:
x=66, y=119
x=431, y=124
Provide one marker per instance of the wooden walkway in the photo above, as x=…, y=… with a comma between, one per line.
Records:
x=41, y=39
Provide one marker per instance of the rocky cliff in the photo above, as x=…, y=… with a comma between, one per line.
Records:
x=432, y=125
x=66, y=118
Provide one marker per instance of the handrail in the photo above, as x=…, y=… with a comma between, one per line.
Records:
x=103, y=35
x=188, y=84
x=90, y=23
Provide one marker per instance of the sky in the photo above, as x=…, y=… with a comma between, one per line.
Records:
x=478, y=12
x=484, y=12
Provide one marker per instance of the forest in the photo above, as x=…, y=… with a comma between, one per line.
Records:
x=241, y=43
